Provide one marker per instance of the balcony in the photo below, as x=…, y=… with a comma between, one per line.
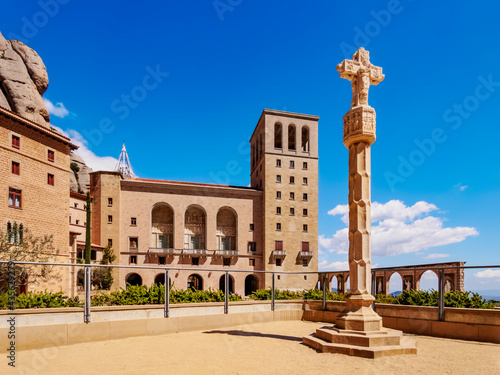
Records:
x=194, y=252
x=226, y=252
x=305, y=254
x=156, y=250
x=278, y=253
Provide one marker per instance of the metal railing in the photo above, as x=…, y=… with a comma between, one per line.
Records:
x=161, y=250
x=278, y=253
x=322, y=279
x=226, y=252
x=194, y=251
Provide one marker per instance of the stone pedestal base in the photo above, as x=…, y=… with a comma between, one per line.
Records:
x=374, y=344
x=359, y=315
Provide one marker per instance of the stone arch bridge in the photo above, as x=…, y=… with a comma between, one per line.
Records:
x=410, y=275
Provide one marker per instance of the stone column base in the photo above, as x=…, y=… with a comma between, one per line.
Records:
x=381, y=343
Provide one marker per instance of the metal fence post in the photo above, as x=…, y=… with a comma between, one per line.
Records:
x=226, y=293
x=374, y=289
x=167, y=294
x=324, y=292
x=11, y=271
x=86, y=303
x=441, y=294
x=272, y=294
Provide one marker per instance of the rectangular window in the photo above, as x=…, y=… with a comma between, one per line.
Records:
x=304, y=165
x=251, y=227
x=16, y=141
x=251, y=262
x=133, y=243
x=77, y=222
x=304, y=228
x=50, y=155
x=305, y=246
x=252, y=246
x=278, y=195
x=133, y=259
x=278, y=263
x=305, y=263
x=278, y=163
x=292, y=196
x=110, y=219
x=278, y=245
x=278, y=210
x=15, y=198
x=195, y=261
x=164, y=241
x=304, y=181
x=110, y=242
x=304, y=212
x=304, y=197
x=50, y=179
x=226, y=261
x=162, y=260
x=292, y=164
x=110, y=202
x=278, y=178
x=278, y=226
x=292, y=211
x=133, y=221
x=292, y=179
x=76, y=205
x=16, y=169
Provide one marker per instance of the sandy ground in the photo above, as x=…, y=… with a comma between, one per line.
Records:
x=267, y=348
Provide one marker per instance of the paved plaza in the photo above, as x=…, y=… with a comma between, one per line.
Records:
x=266, y=348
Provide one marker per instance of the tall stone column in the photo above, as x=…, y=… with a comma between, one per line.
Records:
x=358, y=330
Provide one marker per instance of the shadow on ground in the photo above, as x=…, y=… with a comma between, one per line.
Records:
x=235, y=332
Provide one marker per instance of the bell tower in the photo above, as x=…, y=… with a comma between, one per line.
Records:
x=284, y=164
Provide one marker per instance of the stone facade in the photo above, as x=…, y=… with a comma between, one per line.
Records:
x=189, y=225
x=284, y=164
x=35, y=163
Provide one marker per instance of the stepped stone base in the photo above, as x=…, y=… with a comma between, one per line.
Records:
x=374, y=344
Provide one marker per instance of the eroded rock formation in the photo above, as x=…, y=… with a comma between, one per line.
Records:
x=80, y=175
x=23, y=80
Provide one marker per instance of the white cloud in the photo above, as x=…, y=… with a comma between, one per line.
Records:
x=435, y=256
x=58, y=110
x=399, y=229
x=97, y=163
x=461, y=187
x=333, y=266
x=487, y=274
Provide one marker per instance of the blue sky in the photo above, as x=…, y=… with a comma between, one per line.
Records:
x=184, y=83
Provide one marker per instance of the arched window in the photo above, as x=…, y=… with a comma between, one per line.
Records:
x=194, y=228
x=133, y=279
x=278, y=136
x=195, y=282
x=222, y=283
x=226, y=229
x=291, y=137
x=251, y=284
x=162, y=226
x=305, y=139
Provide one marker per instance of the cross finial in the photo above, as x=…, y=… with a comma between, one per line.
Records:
x=362, y=73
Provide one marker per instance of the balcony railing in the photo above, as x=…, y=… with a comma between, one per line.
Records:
x=305, y=254
x=279, y=253
x=158, y=250
x=226, y=252
x=194, y=252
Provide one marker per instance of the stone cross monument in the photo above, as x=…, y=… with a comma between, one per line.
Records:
x=358, y=330
x=359, y=134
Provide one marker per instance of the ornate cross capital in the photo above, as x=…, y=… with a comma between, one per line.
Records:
x=362, y=73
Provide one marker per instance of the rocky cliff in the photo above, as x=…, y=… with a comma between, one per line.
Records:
x=23, y=80
x=80, y=175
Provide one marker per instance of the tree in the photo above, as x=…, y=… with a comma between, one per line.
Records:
x=19, y=244
x=102, y=277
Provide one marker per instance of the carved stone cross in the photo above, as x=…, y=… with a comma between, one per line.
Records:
x=362, y=73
